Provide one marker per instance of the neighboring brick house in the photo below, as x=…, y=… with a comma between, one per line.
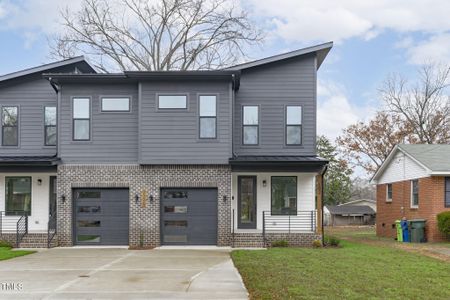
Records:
x=221, y=157
x=413, y=182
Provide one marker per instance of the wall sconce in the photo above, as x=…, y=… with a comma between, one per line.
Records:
x=63, y=198
x=39, y=181
x=136, y=198
x=150, y=198
x=264, y=183
x=224, y=198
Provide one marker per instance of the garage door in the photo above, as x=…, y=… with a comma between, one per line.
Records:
x=189, y=216
x=101, y=216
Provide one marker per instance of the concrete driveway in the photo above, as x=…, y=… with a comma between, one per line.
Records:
x=87, y=273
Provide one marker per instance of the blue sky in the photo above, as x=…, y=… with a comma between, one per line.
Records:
x=372, y=39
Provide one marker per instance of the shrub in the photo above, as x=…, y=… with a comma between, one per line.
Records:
x=332, y=241
x=317, y=244
x=5, y=244
x=281, y=243
x=443, y=220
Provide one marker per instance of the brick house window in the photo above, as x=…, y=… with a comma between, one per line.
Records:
x=414, y=193
x=389, y=192
x=447, y=192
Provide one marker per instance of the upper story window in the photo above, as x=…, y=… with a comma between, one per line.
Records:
x=389, y=192
x=10, y=125
x=208, y=117
x=293, y=125
x=415, y=193
x=50, y=126
x=81, y=119
x=115, y=104
x=172, y=102
x=250, y=125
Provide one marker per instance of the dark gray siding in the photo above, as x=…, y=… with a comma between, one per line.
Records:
x=272, y=87
x=172, y=136
x=113, y=134
x=30, y=96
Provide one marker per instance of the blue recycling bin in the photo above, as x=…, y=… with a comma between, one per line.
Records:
x=405, y=231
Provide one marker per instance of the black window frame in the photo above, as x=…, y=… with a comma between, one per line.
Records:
x=102, y=98
x=252, y=125
x=389, y=192
x=292, y=213
x=413, y=193
x=50, y=126
x=81, y=119
x=18, y=213
x=172, y=108
x=446, y=192
x=10, y=126
x=287, y=125
x=200, y=117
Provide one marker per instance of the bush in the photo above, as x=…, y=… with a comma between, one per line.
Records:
x=5, y=244
x=281, y=243
x=443, y=220
x=332, y=241
x=317, y=244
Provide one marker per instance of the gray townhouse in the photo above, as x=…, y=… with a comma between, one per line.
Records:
x=224, y=157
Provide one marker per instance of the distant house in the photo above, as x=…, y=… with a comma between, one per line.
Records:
x=342, y=215
x=413, y=182
x=359, y=202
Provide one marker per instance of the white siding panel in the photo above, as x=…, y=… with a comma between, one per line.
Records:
x=400, y=168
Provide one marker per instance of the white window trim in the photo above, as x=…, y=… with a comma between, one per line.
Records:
x=411, y=197
x=387, y=192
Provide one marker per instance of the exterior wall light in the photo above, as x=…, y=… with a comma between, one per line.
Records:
x=224, y=198
x=63, y=198
x=39, y=181
x=150, y=198
x=264, y=183
x=136, y=198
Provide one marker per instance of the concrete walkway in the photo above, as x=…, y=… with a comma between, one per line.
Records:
x=75, y=273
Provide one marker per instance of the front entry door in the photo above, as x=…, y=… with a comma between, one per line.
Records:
x=247, y=202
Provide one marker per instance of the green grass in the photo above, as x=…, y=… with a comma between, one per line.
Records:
x=8, y=253
x=355, y=271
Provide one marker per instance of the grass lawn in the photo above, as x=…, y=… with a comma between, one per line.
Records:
x=355, y=271
x=7, y=253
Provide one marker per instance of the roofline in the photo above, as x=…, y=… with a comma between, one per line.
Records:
x=323, y=48
x=370, y=200
x=387, y=161
x=44, y=67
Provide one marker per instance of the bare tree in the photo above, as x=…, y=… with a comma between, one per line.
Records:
x=423, y=105
x=154, y=35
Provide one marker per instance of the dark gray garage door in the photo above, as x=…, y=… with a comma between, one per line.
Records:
x=189, y=216
x=101, y=216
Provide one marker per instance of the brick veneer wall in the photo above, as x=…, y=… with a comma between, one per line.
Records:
x=31, y=240
x=431, y=203
x=298, y=239
x=144, y=221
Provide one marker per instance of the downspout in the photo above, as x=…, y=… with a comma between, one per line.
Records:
x=323, y=189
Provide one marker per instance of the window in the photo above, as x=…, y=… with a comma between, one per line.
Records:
x=18, y=195
x=81, y=119
x=447, y=192
x=250, y=125
x=119, y=104
x=414, y=193
x=389, y=192
x=208, y=117
x=293, y=125
x=50, y=125
x=172, y=101
x=284, y=195
x=10, y=121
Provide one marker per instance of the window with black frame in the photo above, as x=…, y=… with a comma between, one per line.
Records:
x=250, y=125
x=208, y=117
x=50, y=125
x=81, y=119
x=10, y=125
x=293, y=125
x=18, y=195
x=284, y=195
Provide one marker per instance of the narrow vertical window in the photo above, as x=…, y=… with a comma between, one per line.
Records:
x=414, y=193
x=293, y=125
x=389, y=192
x=447, y=192
x=208, y=117
x=81, y=119
x=250, y=125
x=50, y=125
x=10, y=126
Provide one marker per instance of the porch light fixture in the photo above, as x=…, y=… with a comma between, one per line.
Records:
x=136, y=198
x=150, y=198
x=224, y=198
x=39, y=181
x=264, y=183
x=63, y=198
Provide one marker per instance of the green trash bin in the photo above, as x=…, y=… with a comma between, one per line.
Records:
x=417, y=229
x=398, y=226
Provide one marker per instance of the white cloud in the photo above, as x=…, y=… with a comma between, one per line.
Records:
x=334, y=110
x=435, y=49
